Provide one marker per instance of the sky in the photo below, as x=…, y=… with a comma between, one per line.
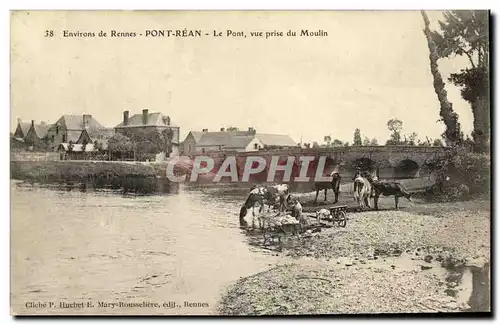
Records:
x=372, y=66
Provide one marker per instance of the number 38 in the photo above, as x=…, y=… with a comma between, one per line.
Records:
x=49, y=33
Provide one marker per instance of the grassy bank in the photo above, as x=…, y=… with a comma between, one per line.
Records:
x=54, y=170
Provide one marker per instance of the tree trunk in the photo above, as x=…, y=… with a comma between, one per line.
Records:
x=450, y=118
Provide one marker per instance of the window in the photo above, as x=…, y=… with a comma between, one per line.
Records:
x=190, y=147
x=203, y=150
x=52, y=138
x=256, y=146
x=64, y=138
x=57, y=129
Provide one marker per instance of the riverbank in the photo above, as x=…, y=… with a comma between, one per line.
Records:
x=47, y=170
x=427, y=258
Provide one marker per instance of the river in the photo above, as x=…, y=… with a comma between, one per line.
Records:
x=99, y=247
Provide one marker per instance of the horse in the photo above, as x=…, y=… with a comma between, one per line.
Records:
x=362, y=190
x=386, y=188
x=334, y=184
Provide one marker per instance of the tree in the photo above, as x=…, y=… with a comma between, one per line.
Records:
x=374, y=142
x=337, y=143
x=466, y=32
x=366, y=141
x=168, y=135
x=315, y=145
x=357, y=138
x=438, y=143
x=395, y=126
x=327, y=139
x=120, y=143
x=412, y=139
x=448, y=116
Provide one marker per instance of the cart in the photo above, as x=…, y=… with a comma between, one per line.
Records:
x=339, y=215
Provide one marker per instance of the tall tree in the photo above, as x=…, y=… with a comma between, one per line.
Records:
x=448, y=116
x=337, y=143
x=374, y=142
x=395, y=126
x=357, y=138
x=466, y=33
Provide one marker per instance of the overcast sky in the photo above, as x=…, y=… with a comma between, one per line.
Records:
x=372, y=66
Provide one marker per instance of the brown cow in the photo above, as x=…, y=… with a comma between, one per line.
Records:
x=334, y=184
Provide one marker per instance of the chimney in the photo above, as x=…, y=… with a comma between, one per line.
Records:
x=251, y=130
x=168, y=120
x=86, y=119
x=33, y=123
x=222, y=129
x=205, y=130
x=145, y=116
x=125, y=118
x=19, y=120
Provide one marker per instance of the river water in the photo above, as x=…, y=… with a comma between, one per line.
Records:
x=100, y=247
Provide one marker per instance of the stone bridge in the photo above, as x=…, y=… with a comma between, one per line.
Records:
x=387, y=162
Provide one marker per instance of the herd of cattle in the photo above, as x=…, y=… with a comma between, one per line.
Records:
x=278, y=197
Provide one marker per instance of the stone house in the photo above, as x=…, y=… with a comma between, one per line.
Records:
x=236, y=141
x=69, y=128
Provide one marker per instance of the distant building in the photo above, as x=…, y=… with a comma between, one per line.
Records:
x=238, y=141
x=100, y=136
x=148, y=124
x=69, y=128
x=37, y=135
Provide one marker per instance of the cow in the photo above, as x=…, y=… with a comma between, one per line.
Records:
x=362, y=190
x=387, y=188
x=334, y=184
x=260, y=196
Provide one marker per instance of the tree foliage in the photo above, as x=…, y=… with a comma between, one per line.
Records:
x=327, y=139
x=448, y=116
x=395, y=126
x=357, y=138
x=466, y=33
x=120, y=143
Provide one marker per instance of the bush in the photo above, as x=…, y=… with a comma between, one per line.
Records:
x=469, y=176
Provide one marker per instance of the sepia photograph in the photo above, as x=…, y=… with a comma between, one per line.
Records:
x=250, y=163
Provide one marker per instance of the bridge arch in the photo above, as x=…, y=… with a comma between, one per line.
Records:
x=407, y=168
x=366, y=164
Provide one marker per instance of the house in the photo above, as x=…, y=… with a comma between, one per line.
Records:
x=189, y=143
x=98, y=136
x=21, y=129
x=76, y=151
x=238, y=141
x=69, y=128
x=37, y=135
x=148, y=125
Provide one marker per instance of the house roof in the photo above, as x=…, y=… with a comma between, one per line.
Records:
x=74, y=135
x=41, y=130
x=226, y=139
x=24, y=127
x=154, y=119
x=75, y=122
x=196, y=135
x=101, y=134
x=240, y=141
x=278, y=140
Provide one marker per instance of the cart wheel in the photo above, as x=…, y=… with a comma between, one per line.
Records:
x=342, y=219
